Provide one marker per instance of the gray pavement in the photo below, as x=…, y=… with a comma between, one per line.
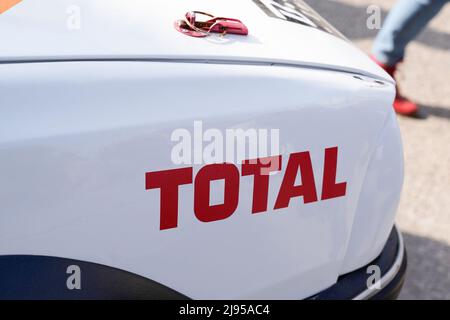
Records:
x=424, y=212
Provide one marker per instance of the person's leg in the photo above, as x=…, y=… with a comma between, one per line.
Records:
x=403, y=23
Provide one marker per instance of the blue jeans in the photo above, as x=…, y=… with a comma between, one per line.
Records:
x=404, y=22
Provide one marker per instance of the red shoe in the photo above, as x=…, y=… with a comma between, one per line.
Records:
x=402, y=105
x=405, y=107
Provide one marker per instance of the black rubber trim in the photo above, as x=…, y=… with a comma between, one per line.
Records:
x=43, y=277
x=392, y=290
x=352, y=284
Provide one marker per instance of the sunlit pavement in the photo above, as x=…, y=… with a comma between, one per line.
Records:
x=424, y=213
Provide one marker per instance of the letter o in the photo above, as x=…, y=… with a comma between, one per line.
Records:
x=203, y=210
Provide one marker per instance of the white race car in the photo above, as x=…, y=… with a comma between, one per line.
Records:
x=151, y=151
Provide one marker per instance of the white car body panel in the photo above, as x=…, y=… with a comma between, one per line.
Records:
x=77, y=137
x=142, y=29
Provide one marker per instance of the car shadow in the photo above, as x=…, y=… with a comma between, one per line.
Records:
x=428, y=273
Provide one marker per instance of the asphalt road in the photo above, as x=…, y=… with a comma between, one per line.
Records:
x=424, y=212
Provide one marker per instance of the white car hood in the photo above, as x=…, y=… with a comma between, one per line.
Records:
x=111, y=29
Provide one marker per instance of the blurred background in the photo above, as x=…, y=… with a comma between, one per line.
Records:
x=424, y=77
